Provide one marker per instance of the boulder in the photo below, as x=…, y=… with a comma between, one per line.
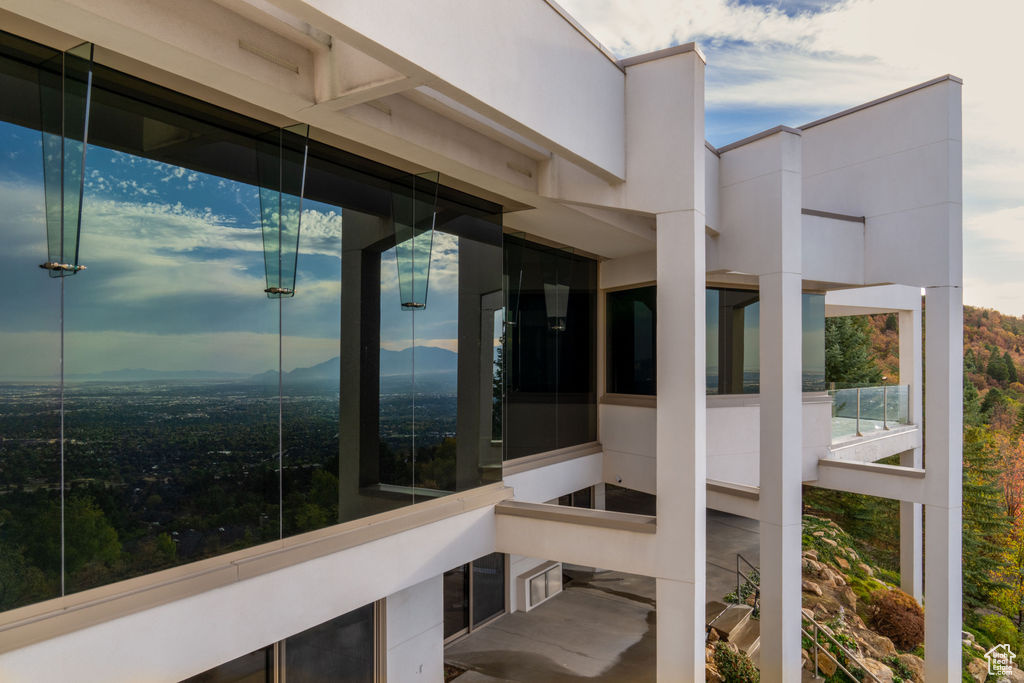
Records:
x=714, y=636
x=1015, y=675
x=967, y=635
x=842, y=564
x=811, y=553
x=818, y=534
x=978, y=670
x=810, y=587
x=866, y=569
x=811, y=566
x=847, y=595
x=916, y=666
x=830, y=542
x=826, y=664
x=874, y=645
x=808, y=614
x=880, y=671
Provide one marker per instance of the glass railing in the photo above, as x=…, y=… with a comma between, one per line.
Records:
x=863, y=410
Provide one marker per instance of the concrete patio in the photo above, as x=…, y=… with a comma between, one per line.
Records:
x=600, y=628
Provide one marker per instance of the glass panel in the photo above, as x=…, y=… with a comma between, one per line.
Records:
x=312, y=376
x=338, y=651
x=550, y=349
x=255, y=667
x=733, y=339
x=435, y=362
x=456, y=600
x=632, y=326
x=171, y=361
x=538, y=588
x=488, y=587
x=30, y=563
x=813, y=318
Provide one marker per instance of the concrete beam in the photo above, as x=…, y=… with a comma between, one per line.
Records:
x=872, y=479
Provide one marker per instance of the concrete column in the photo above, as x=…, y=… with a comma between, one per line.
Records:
x=781, y=463
x=911, y=537
x=599, y=496
x=944, y=481
x=415, y=632
x=681, y=446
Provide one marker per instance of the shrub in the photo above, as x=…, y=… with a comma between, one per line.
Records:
x=898, y=617
x=999, y=629
x=735, y=667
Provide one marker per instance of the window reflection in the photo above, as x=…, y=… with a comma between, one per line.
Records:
x=201, y=416
x=550, y=348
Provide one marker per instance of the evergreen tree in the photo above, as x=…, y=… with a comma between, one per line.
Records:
x=848, y=355
x=970, y=361
x=1011, y=368
x=984, y=520
x=972, y=405
x=892, y=323
x=993, y=398
x=1018, y=428
x=996, y=366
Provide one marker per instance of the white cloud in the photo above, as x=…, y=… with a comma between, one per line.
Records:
x=853, y=52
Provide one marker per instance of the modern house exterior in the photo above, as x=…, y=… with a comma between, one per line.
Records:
x=315, y=309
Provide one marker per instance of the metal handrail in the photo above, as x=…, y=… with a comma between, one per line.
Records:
x=817, y=628
x=747, y=579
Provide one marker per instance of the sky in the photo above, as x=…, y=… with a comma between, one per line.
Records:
x=790, y=62
x=175, y=275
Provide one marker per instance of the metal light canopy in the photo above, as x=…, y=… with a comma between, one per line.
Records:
x=65, y=98
x=414, y=214
x=281, y=165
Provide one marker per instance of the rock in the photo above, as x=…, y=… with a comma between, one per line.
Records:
x=842, y=564
x=830, y=542
x=711, y=675
x=916, y=666
x=811, y=566
x=818, y=534
x=826, y=664
x=866, y=569
x=714, y=636
x=967, y=635
x=805, y=660
x=808, y=614
x=839, y=580
x=810, y=587
x=847, y=595
x=874, y=645
x=751, y=600
x=812, y=553
x=978, y=670
x=854, y=620
x=1015, y=675
x=880, y=671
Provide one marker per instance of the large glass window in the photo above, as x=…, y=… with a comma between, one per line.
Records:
x=550, y=348
x=338, y=651
x=199, y=414
x=473, y=594
x=632, y=326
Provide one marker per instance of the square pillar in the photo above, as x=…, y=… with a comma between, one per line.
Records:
x=681, y=446
x=781, y=357
x=911, y=537
x=944, y=481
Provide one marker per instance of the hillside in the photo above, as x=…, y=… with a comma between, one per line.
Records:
x=985, y=331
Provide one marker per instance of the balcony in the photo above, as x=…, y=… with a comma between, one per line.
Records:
x=860, y=410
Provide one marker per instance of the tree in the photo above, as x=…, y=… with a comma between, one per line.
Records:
x=1018, y=427
x=972, y=404
x=970, y=361
x=993, y=400
x=1011, y=367
x=997, y=367
x=984, y=520
x=1010, y=572
x=892, y=323
x=848, y=355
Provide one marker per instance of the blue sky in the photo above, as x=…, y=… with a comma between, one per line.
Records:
x=176, y=275
x=793, y=61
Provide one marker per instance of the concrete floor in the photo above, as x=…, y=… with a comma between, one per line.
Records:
x=601, y=628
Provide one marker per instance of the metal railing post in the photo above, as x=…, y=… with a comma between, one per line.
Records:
x=858, y=412
x=885, y=406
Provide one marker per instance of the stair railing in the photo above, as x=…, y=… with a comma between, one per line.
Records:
x=816, y=630
x=743, y=579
